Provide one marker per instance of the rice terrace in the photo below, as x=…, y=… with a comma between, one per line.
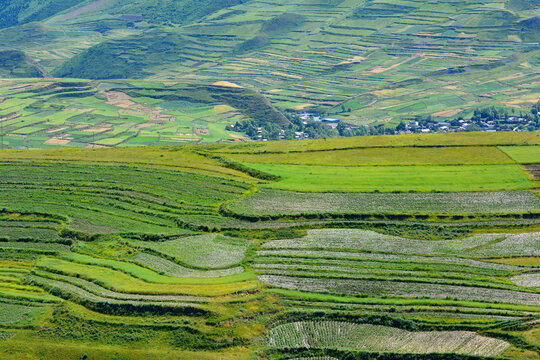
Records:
x=270, y=180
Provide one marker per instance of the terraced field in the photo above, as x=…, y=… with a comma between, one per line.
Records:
x=84, y=114
x=273, y=202
x=187, y=252
x=371, y=62
x=376, y=338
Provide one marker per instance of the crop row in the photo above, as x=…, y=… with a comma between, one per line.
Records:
x=479, y=245
x=124, y=198
x=102, y=292
x=273, y=202
x=378, y=288
x=106, y=305
x=359, y=256
x=170, y=268
x=443, y=313
x=42, y=247
x=209, y=251
x=118, y=276
x=376, y=338
x=387, y=275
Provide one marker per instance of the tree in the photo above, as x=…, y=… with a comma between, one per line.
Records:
x=289, y=134
x=341, y=128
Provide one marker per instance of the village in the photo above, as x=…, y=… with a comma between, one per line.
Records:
x=313, y=125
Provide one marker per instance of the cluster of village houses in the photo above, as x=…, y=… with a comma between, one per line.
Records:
x=426, y=125
x=512, y=123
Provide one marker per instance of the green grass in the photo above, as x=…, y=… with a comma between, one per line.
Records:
x=395, y=178
x=412, y=140
x=152, y=276
x=34, y=346
x=523, y=154
x=383, y=156
x=12, y=314
x=122, y=282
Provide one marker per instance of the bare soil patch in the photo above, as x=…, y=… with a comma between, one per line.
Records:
x=122, y=100
x=58, y=141
x=9, y=117
x=279, y=73
x=227, y=84
x=94, y=5
x=447, y=113
x=202, y=131
x=381, y=69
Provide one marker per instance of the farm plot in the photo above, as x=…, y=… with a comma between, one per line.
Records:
x=120, y=281
x=11, y=231
x=95, y=289
x=376, y=338
x=274, y=202
x=37, y=247
x=491, y=245
x=400, y=289
x=400, y=141
x=355, y=256
x=170, y=268
x=395, y=178
x=162, y=158
x=382, y=156
x=60, y=114
x=528, y=280
x=374, y=265
x=523, y=154
x=208, y=251
x=143, y=273
x=113, y=198
x=106, y=304
x=13, y=314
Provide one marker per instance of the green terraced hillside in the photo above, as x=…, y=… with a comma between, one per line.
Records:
x=370, y=61
x=92, y=114
x=237, y=251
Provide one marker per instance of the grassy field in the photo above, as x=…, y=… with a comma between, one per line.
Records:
x=385, y=156
x=396, y=178
x=523, y=154
x=416, y=140
x=190, y=252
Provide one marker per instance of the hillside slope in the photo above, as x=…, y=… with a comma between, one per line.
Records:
x=360, y=61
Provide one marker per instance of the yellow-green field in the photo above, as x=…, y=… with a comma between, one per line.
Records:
x=396, y=178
